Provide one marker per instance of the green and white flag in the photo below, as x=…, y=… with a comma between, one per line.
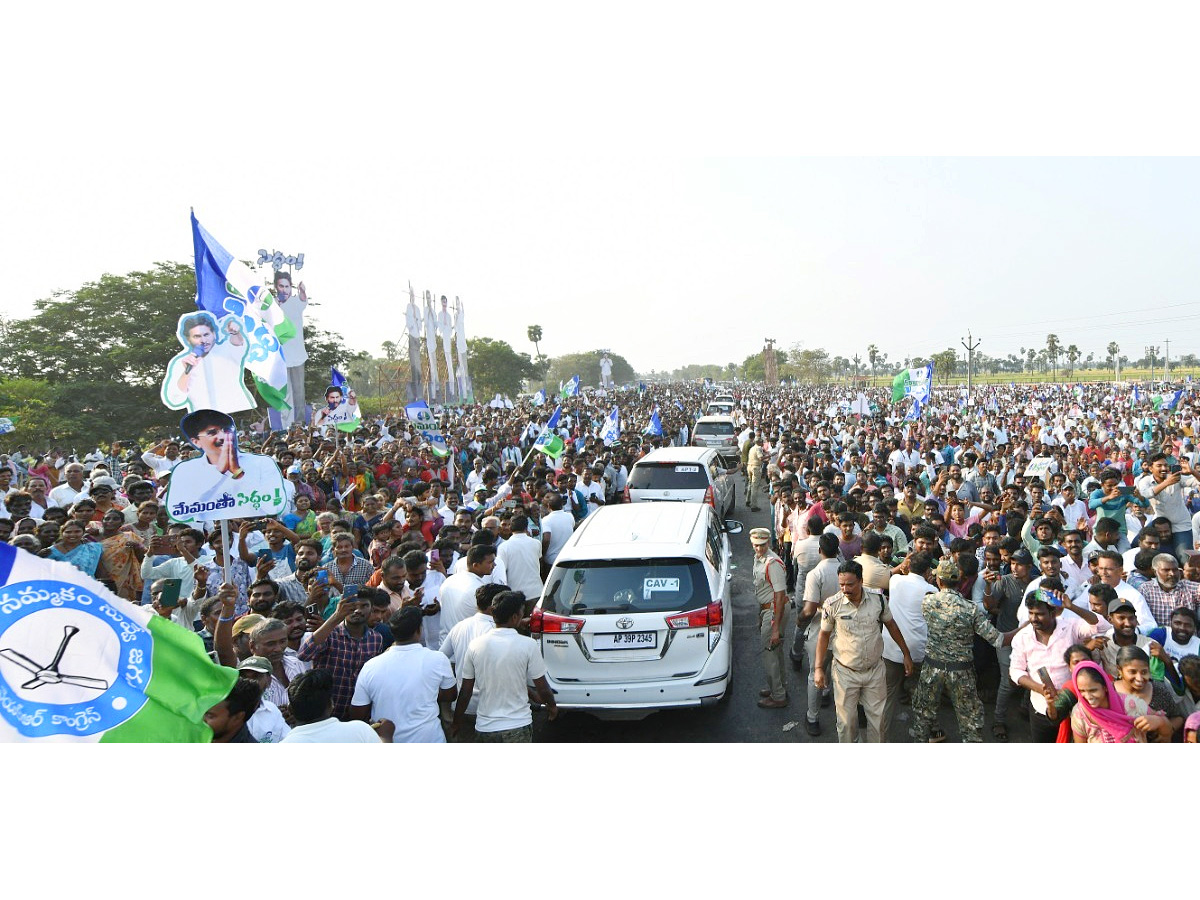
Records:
x=78, y=664
x=913, y=383
x=549, y=441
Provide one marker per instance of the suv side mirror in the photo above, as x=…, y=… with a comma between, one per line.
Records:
x=733, y=526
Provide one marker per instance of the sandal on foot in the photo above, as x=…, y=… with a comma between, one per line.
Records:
x=1000, y=733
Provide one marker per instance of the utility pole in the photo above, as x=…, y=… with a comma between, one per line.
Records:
x=1167, y=362
x=971, y=345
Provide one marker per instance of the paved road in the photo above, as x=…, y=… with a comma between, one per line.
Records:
x=739, y=718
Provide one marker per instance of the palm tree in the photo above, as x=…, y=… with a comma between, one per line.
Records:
x=1113, y=350
x=1032, y=355
x=873, y=358
x=534, y=333
x=1053, y=348
x=1022, y=357
x=1073, y=354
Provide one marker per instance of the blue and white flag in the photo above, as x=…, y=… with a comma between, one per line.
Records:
x=227, y=287
x=610, y=431
x=913, y=414
x=424, y=421
x=539, y=399
x=1136, y=396
x=572, y=387
x=336, y=378
x=655, y=427
x=7, y=425
x=1173, y=400
x=642, y=386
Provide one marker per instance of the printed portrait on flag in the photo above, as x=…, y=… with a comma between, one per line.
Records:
x=209, y=372
x=339, y=409
x=222, y=483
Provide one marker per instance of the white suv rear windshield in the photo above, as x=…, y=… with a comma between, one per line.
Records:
x=668, y=477
x=722, y=428
x=608, y=587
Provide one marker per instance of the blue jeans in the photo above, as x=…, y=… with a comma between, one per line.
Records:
x=1180, y=541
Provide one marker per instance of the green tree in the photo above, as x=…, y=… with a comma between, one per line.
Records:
x=1053, y=349
x=587, y=367
x=534, y=333
x=873, y=359
x=496, y=368
x=1073, y=354
x=752, y=368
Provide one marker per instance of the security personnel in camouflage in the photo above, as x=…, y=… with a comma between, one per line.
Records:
x=953, y=621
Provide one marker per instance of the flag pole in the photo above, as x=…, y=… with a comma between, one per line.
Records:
x=227, y=548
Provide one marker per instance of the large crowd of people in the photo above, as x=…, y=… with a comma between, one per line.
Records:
x=1031, y=546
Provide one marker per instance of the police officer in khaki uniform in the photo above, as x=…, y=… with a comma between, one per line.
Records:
x=770, y=589
x=853, y=620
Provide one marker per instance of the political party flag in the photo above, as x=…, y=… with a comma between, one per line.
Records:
x=610, y=431
x=336, y=378
x=549, y=441
x=571, y=389
x=655, y=426
x=79, y=664
x=423, y=420
x=539, y=399
x=1135, y=397
x=1166, y=401
x=912, y=383
x=913, y=414
x=227, y=287
x=642, y=387
x=9, y=424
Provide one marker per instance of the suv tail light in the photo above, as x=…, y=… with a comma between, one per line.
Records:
x=710, y=616
x=625, y=495
x=710, y=497
x=541, y=622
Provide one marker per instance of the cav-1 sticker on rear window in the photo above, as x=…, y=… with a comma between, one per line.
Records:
x=650, y=585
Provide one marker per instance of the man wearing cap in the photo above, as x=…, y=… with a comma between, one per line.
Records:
x=1124, y=620
x=770, y=590
x=952, y=622
x=851, y=622
x=267, y=723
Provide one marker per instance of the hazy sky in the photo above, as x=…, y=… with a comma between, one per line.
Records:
x=666, y=252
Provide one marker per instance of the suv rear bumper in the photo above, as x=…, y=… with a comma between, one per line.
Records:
x=649, y=695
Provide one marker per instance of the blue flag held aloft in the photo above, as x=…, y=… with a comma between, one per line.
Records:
x=610, y=431
x=655, y=428
x=336, y=378
x=539, y=399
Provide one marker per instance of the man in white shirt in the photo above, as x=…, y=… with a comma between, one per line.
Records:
x=504, y=663
x=311, y=702
x=295, y=354
x=557, y=526
x=405, y=683
x=70, y=490
x=522, y=558
x=454, y=647
x=592, y=490
x=905, y=593
x=457, y=594
x=267, y=724
x=425, y=583
x=162, y=457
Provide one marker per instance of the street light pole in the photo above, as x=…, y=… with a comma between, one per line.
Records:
x=971, y=346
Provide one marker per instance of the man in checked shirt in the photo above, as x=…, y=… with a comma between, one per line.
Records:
x=342, y=645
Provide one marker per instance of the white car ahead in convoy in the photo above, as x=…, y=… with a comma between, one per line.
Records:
x=636, y=614
x=687, y=474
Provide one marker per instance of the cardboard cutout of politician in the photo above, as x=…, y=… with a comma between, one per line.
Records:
x=222, y=483
x=209, y=373
x=340, y=409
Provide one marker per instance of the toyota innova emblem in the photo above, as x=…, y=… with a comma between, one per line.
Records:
x=624, y=622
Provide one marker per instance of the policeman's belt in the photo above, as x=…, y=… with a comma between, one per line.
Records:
x=950, y=666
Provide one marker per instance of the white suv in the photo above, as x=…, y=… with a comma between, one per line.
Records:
x=695, y=474
x=636, y=614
